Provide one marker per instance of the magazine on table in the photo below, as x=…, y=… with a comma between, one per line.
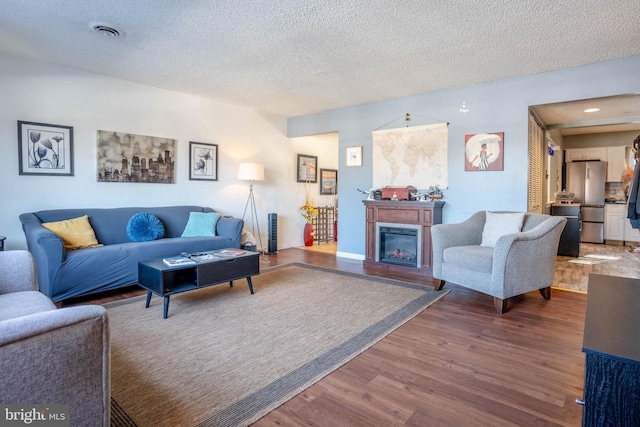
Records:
x=178, y=260
x=229, y=252
x=203, y=257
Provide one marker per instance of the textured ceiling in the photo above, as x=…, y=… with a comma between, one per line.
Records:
x=296, y=57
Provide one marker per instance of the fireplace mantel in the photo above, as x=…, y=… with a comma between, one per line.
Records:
x=423, y=214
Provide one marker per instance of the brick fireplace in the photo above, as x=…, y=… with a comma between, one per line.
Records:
x=398, y=234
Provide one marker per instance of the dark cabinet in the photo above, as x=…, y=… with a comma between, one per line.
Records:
x=570, y=239
x=612, y=347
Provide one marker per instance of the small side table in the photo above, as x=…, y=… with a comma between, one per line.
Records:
x=2, y=239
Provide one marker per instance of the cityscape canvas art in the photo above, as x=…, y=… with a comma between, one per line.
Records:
x=126, y=157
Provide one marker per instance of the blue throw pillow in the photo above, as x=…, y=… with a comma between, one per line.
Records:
x=143, y=227
x=201, y=224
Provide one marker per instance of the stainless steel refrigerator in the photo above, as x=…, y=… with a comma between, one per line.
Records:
x=586, y=180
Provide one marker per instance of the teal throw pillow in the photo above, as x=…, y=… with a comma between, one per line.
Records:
x=143, y=227
x=201, y=224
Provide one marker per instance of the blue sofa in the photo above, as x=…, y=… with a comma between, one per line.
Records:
x=64, y=274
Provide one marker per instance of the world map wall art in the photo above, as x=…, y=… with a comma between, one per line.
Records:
x=414, y=156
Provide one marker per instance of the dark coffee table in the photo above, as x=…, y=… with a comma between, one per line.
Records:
x=158, y=278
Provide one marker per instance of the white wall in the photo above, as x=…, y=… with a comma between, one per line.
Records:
x=48, y=93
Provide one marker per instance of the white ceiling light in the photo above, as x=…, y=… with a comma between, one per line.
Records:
x=106, y=29
x=591, y=110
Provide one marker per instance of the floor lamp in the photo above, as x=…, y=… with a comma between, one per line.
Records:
x=252, y=172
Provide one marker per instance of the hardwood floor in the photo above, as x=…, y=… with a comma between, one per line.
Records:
x=457, y=363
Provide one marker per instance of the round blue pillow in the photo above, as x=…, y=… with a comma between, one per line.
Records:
x=143, y=227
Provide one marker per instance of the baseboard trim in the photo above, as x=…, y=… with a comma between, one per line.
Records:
x=350, y=255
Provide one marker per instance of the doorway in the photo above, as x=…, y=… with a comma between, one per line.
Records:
x=320, y=193
x=586, y=123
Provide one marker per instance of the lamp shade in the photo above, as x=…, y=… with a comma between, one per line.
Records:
x=251, y=172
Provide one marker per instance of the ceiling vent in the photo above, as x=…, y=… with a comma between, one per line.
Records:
x=105, y=29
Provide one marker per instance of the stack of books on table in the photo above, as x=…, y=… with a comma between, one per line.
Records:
x=175, y=261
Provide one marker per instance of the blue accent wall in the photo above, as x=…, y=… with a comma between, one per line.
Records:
x=499, y=106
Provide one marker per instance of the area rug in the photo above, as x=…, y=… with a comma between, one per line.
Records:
x=225, y=357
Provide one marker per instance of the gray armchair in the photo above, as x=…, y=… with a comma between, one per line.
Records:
x=49, y=355
x=518, y=263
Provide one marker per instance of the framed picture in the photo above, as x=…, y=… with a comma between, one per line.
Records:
x=45, y=149
x=307, y=168
x=354, y=156
x=328, y=181
x=484, y=152
x=203, y=161
x=132, y=158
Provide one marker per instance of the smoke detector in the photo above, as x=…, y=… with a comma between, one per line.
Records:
x=106, y=29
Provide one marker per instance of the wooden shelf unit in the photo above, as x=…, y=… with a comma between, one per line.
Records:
x=323, y=224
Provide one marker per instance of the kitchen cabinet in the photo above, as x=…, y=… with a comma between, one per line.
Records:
x=616, y=163
x=614, y=219
x=611, y=344
x=592, y=153
x=614, y=156
x=630, y=234
x=617, y=226
x=630, y=156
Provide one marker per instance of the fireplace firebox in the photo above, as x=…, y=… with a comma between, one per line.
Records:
x=398, y=244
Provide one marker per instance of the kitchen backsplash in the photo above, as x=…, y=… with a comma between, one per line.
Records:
x=614, y=190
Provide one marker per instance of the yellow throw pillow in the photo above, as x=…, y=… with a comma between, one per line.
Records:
x=76, y=233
